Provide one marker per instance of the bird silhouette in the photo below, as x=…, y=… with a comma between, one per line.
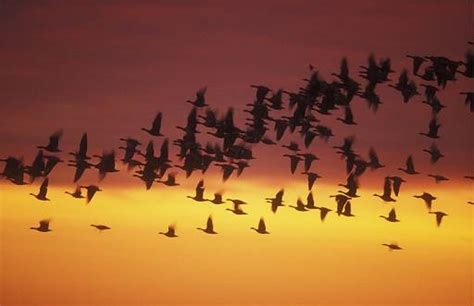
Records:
x=155, y=129
x=323, y=212
x=410, y=167
x=428, y=198
x=199, y=196
x=237, y=209
x=433, y=129
x=200, y=100
x=217, y=198
x=76, y=194
x=312, y=177
x=171, y=233
x=392, y=216
x=100, y=227
x=43, y=226
x=396, y=184
x=91, y=191
x=387, y=191
x=262, y=228
x=439, y=216
x=170, y=181
x=209, y=227
x=299, y=205
x=276, y=201
x=81, y=154
x=392, y=246
x=309, y=158
x=434, y=152
x=347, y=210
x=438, y=178
x=53, y=144
x=42, y=191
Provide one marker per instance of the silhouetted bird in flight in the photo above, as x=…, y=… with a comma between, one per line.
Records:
x=237, y=209
x=410, y=166
x=312, y=177
x=392, y=246
x=309, y=158
x=294, y=160
x=199, y=196
x=392, y=216
x=434, y=152
x=51, y=162
x=323, y=212
x=374, y=162
x=171, y=233
x=277, y=200
x=417, y=62
x=200, y=100
x=262, y=228
x=396, y=184
x=435, y=105
x=53, y=144
x=91, y=191
x=299, y=205
x=430, y=92
x=155, y=129
x=81, y=154
x=170, y=181
x=433, y=129
x=209, y=227
x=76, y=194
x=43, y=226
x=439, y=216
x=42, y=191
x=387, y=191
x=348, y=117
x=217, y=198
x=100, y=227
x=438, y=178
x=406, y=87
x=347, y=210
x=428, y=198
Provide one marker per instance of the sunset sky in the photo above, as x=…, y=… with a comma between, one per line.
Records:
x=107, y=67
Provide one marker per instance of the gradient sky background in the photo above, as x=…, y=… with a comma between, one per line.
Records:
x=107, y=67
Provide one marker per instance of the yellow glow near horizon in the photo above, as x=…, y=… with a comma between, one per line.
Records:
x=303, y=260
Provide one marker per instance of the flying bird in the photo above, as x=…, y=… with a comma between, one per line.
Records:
x=262, y=228
x=43, y=226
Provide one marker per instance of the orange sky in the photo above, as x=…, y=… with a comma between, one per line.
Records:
x=107, y=68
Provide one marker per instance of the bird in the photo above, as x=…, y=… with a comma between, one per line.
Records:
x=433, y=129
x=155, y=129
x=100, y=227
x=199, y=196
x=392, y=216
x=237, y=209
x=43, y=191
x=309, y=158
x=171, y=233
x=53, y=144
x=348, y=117
x=91, y=191
x=217, y=198
x=312, y=177
x=299, y=206
x=200, y=100
x=209, y=227
x=323, y=212
x=434, y=152
x=277, y=200
x=294, y=160
x=310, y=204
x=410, y=166
x=374, y=162
x=81, y=154
x=428, y=198
x=43, y=226
x=439, y=216
x=76, y=194
x=262, y=228
x=392, y=246
x=170, y=181
x=387, y=191
x=438, y=178
x=396, y=184
x=348, y=210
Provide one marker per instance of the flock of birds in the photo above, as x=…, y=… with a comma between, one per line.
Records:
x=232, y=151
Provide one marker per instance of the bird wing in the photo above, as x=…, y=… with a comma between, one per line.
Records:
x=156, y=125
x=261, y=225
x=83, y=145
x=392, y=215
x=44, y=187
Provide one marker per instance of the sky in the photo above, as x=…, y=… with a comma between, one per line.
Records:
x=107, y=67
